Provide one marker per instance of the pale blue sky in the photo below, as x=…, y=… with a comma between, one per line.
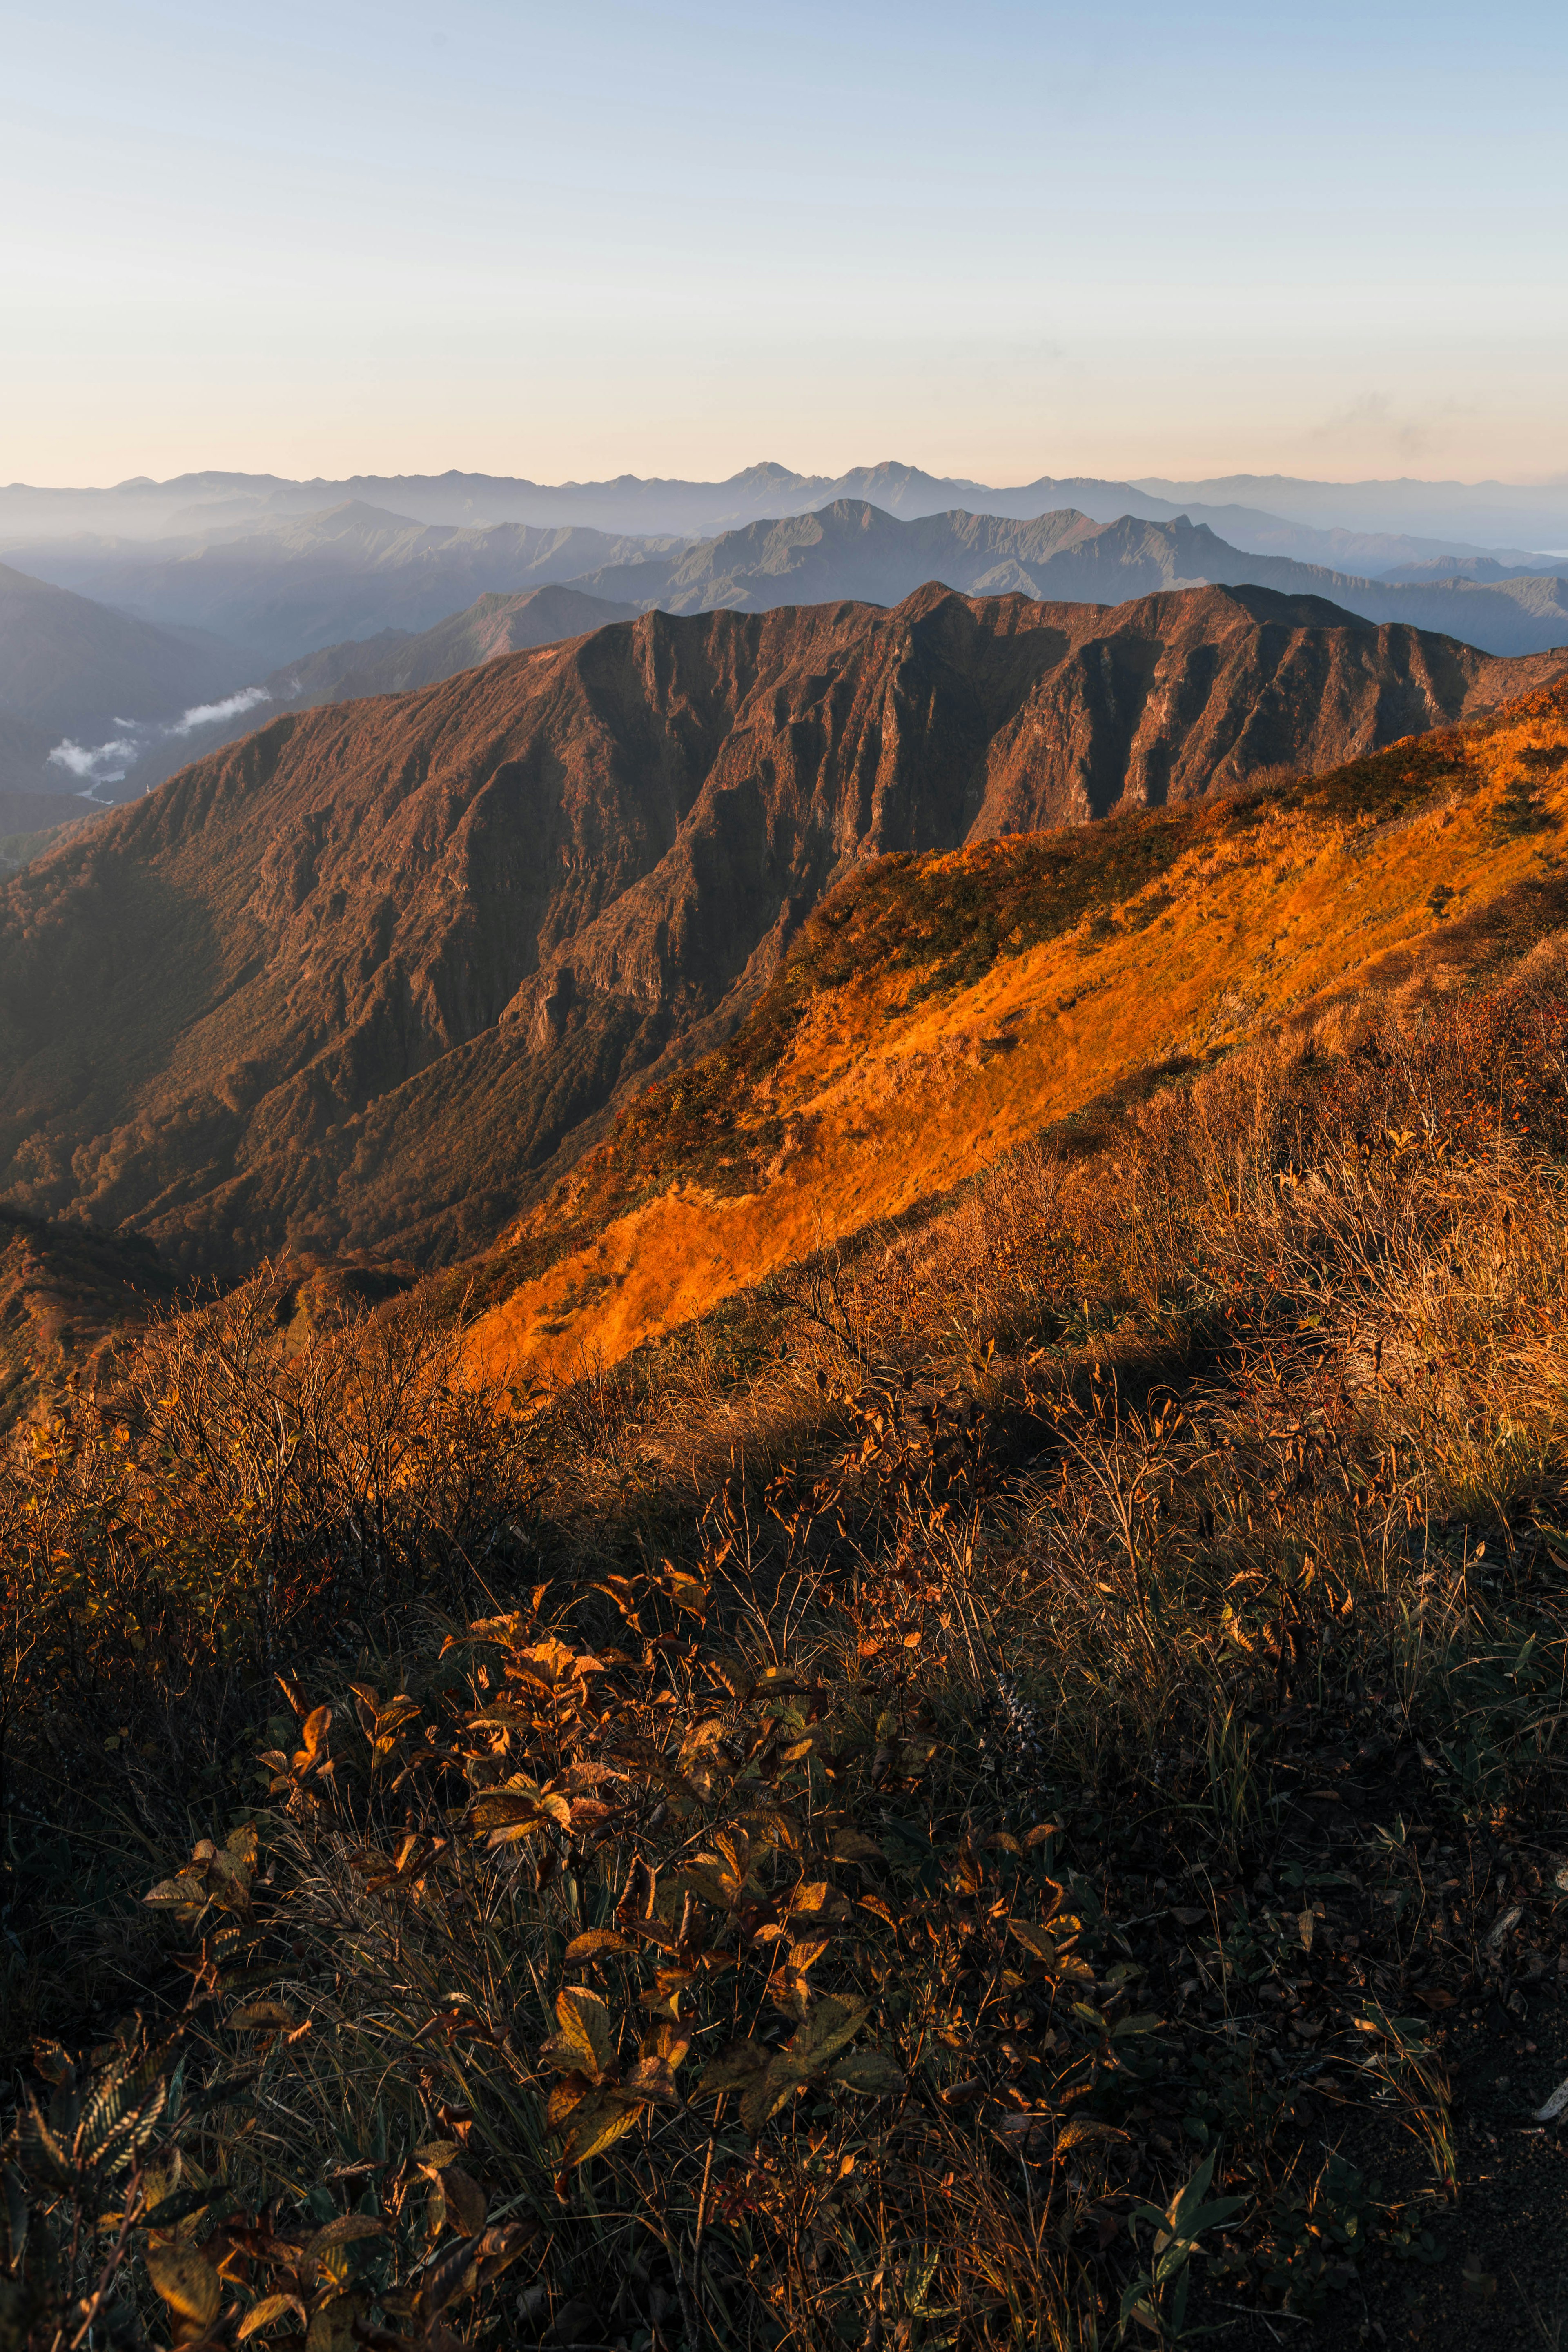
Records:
x=990, y=239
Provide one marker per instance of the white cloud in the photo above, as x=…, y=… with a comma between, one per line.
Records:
x=203, y=714
x=106, y=763
x=99, y=763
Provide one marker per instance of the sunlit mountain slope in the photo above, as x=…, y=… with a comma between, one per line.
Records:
x=939, y=1010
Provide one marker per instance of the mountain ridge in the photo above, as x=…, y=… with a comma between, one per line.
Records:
x=350, y=571
x=691, y=509
x=940, y=1012
x=371, y=977
x=852, y=548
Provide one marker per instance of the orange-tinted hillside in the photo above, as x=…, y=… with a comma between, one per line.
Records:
x=371, y=979
x=938, y=1011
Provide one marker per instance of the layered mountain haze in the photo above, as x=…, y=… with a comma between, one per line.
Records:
x=68, y=666
x=492, y=626
x=852, y=548
x=390, y=663
x=296, y=584
x=285, y=591
x=1360, y=527
x=372, y=977
x=359, y=601
x=25, y=750
x=1487, y=512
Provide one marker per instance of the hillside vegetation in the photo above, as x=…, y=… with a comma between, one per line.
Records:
x=372, y=978
x=1004, y=1786
x=938, y=1012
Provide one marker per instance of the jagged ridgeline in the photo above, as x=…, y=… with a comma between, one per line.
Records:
x=938, y=1012
x=372, y=978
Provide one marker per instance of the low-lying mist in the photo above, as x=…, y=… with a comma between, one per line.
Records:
x=111, y=761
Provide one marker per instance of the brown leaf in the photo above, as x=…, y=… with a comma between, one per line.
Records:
x=851, y=1844
x=331, y=2329
x=593, y=1944
x=651, y=2079
x=1037, y=1940
x=185, y=2282
x=466, y=2201
x=601, y=2118
x=344, y=2231
x=263, y=2313
x=260, y=2013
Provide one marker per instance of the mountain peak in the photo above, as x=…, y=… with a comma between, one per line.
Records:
x=372, y=977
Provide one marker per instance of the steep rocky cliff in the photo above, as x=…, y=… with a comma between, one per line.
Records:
x=372, y=977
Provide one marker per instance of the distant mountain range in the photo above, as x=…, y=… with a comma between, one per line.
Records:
x=851, y=549
x=285, y=593
x=1484, y=512
x=370, y=976
x=1361, y=527
x=300, y=584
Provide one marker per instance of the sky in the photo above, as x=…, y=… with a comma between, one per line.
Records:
x=994, y=240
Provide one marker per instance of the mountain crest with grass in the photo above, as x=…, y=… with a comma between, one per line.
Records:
x=372, y=978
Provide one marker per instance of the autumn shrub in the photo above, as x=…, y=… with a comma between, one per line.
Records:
x=957, y=1813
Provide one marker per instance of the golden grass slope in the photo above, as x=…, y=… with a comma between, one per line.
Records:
x=937, y=1012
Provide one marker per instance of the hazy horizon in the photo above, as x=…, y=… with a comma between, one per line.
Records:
x=342, y=240
x=1044, y=471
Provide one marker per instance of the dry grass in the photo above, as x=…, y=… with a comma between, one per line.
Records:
x=995, y=1738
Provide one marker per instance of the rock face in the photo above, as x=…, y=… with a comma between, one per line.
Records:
x=372, y=977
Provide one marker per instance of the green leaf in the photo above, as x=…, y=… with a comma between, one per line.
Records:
x=767, y=2096
x=868, y=2071
x=736, y=2066
x=828, y=2026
